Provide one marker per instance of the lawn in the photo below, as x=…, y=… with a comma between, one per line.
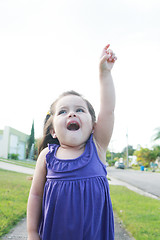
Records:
x=140, y=215
x=14, y=190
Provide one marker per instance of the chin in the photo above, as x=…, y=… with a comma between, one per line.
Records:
x=76, y=137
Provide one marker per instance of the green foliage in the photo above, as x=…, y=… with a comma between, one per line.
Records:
x=108, y=155
x=130, y=150
x=145, y=156
x=156, y=150
x=13, y=156
x=112, y=157
x=140, y=215
x=111, y=162
x=36, y=148
x=31, y=140
x=14, y=192
x=157, y=134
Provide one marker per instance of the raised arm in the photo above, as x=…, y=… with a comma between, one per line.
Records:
x=104, y=126
x=35, y=197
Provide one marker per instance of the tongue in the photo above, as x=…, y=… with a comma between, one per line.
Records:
x=73, y=126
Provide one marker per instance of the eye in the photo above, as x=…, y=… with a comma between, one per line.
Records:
x=62, y=112
x=79, y=110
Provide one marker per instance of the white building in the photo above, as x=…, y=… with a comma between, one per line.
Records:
x=13, y=141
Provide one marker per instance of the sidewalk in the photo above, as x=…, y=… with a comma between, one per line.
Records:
x=16, y=168
x=20, y=232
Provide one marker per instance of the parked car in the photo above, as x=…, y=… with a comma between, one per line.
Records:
x=119, y=165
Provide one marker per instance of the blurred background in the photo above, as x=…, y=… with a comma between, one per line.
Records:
x=47, y=47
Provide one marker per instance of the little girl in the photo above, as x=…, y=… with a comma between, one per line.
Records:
x=69, y=197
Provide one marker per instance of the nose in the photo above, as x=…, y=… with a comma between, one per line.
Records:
x=72, y=114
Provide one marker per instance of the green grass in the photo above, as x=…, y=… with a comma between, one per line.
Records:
x=24, y=163
x=140, y=215
x=14, y=190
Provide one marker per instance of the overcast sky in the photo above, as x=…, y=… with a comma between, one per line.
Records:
x=47, y=47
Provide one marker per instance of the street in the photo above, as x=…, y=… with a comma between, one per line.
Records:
x=146, y=181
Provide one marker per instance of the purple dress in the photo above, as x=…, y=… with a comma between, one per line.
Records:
x=76, y=200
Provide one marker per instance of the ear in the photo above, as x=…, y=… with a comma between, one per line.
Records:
x=52, y=132
x=94, y=125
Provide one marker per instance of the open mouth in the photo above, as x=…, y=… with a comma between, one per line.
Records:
x=73, y=126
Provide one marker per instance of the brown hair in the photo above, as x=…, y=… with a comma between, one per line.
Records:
x=47, y=137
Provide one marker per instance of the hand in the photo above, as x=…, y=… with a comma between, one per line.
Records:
x=107, y=59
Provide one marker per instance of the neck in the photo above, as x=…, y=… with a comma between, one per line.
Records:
x=70, y=152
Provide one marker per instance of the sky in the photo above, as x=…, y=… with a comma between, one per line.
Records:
x=48, y=47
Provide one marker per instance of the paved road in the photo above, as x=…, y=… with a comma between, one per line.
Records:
x=146, y=181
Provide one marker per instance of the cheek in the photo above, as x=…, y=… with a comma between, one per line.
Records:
x=58, y=124
x=89, y=122
x=54, y=124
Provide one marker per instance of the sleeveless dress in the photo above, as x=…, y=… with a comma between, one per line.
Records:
x=76, y=200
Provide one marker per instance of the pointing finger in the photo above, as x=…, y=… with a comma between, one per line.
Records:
x=108, y=45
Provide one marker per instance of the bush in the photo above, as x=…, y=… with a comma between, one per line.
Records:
x=13, y=156
x=111, y=162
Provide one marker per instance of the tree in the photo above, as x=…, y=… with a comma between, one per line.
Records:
x=112, y=157
x=31, y=140
x=157, y=134
x=145, y=156
x=36, y=144
x=131, y=150
x=156, y=150
x=108, y=155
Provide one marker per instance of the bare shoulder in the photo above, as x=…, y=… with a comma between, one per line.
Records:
x=100, y=150
x=43, y=153
x=42, y=157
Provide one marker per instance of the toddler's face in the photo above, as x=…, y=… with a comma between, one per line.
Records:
x=72, y=121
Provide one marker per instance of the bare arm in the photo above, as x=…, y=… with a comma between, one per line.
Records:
x=35, y=197
x=104, y=126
